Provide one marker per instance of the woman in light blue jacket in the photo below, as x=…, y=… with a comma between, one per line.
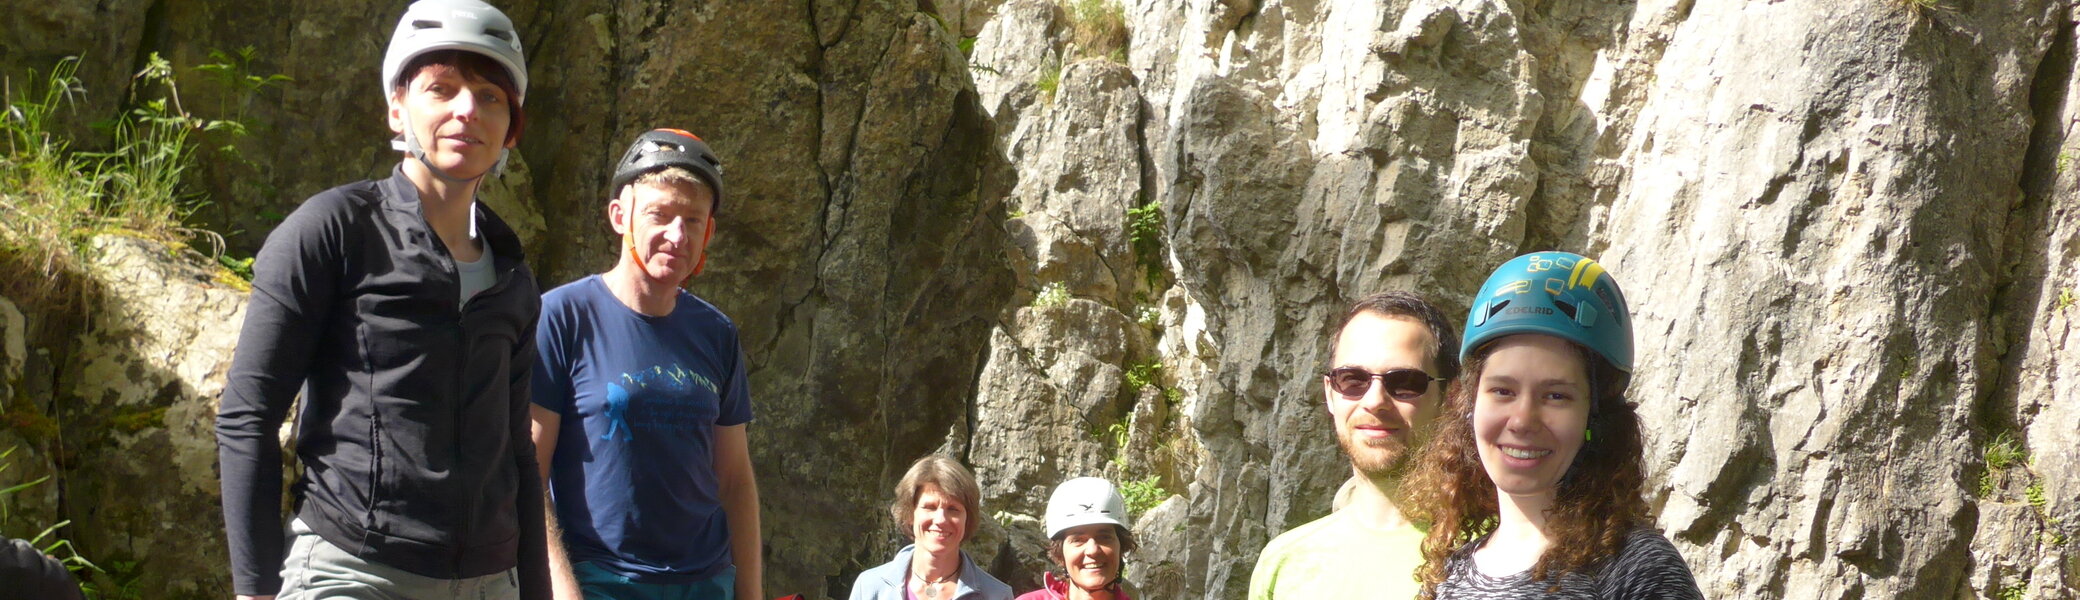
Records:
x=937, y=502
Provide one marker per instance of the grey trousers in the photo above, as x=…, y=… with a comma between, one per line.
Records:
x=318, y=570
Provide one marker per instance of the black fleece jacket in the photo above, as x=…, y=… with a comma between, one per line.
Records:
x=414, y=430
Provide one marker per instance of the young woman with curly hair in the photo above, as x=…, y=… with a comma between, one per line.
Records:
x=1532, y=483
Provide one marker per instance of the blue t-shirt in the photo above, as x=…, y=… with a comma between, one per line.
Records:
x=633, y=476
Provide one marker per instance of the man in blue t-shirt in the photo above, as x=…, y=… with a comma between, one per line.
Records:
x=640, y=401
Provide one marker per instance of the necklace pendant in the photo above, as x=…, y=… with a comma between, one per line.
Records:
x=931, y=591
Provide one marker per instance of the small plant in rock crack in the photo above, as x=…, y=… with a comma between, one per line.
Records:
x=1050, y=78
x=1144, y=374
x=1145, y=234
x=1098, y=28
x=1051, y=295
x=2004, y=452
x=2000, y=454
x=1143, y=494
x=1148, y=316
x=2066, y=298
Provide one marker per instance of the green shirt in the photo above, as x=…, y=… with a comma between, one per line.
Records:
x=1337, y=556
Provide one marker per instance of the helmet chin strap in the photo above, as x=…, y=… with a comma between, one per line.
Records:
x=705, y=237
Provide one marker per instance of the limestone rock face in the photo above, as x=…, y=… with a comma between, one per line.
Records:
x=128, y=413
x=147, y=373
x=1834, y=236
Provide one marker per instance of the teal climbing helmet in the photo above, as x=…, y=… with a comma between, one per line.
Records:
x=1560, y=294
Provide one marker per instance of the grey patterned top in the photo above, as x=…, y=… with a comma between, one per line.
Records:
x=1648, y=567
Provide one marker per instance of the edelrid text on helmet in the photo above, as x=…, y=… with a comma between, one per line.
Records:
x=660, y=149
x=1560, y=294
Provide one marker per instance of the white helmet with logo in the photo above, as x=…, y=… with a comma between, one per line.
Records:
x=467, y=25
x=1084, y=501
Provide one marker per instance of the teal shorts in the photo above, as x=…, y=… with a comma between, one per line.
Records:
x=601, y=584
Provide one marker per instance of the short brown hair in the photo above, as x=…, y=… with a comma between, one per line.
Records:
x=469, y=65
x=1444, y=354
x=952, y=479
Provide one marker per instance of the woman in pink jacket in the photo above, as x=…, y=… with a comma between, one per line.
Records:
x=1088, y=537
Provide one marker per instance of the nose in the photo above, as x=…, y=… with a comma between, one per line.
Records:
x=675, y=232
x=464, y=106
x=1375, y=397
x=1523, y=417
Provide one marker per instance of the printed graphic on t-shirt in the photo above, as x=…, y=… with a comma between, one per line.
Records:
x=668, y=402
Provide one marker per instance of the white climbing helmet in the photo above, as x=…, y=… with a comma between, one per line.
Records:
x=469, y=25
x=1084, y=501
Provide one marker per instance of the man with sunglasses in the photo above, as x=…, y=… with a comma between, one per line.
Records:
x=641, y=400
x=1390, y=362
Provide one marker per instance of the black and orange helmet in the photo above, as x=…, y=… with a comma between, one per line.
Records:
x=660, y=149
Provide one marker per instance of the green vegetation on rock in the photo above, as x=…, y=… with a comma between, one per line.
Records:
x=1050, y=78
x=1098, y=28
x=1051, y=295
x=59, y=195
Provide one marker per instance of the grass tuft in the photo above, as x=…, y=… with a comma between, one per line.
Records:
x=2004, y=452
x=1098, y=28
x=1050, y=78
x=55, y=197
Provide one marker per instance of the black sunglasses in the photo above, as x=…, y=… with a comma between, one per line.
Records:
x=1400, y=384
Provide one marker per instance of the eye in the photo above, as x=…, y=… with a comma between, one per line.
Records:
x=1502, y=392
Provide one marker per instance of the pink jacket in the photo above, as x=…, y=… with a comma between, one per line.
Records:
x=1056, y=589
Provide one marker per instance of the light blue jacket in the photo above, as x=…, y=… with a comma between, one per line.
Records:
x=887, y=582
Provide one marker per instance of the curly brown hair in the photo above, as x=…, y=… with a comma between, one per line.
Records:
x=1599, y=500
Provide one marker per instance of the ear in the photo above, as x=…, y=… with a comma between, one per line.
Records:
x=395, y=112
x=617, y=215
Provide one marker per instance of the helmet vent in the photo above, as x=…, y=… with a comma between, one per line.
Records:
x=1496, y=309
x=500, y=34
x=1565, y=307
x=426, y=24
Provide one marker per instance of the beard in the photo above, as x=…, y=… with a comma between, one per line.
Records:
x=1379, y=460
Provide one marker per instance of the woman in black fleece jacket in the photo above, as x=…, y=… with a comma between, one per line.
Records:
x=403, y=313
